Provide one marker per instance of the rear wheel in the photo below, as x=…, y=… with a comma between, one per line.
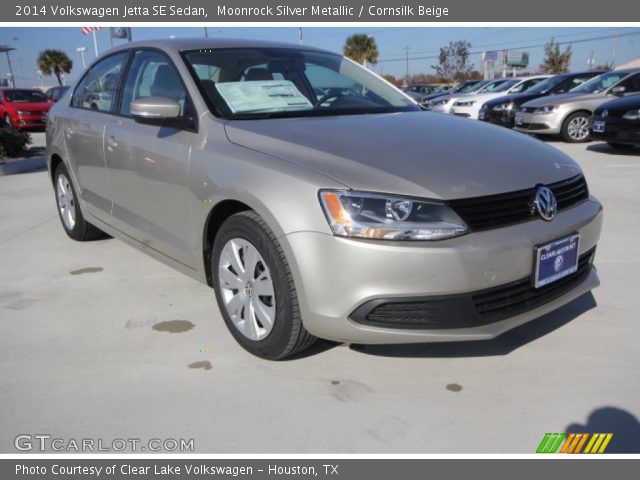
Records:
x=255, y=290
x=620, y=146
x=575, y=128
x=69, y=211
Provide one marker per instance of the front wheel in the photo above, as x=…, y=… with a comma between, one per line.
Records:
x=255, y=290
x=69, y=211
x=575, y=128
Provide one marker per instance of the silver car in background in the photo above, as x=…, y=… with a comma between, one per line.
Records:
x=445, y=103
x=568, y=114
x=316, y=199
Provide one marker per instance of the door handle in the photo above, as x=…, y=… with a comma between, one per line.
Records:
x=111, y=143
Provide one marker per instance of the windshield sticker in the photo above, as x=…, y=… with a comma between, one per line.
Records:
x=262, y=96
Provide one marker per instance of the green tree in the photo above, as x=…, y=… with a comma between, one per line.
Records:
x=54, y=62
x=453, y=61
x=555, y=62
x=361, y=48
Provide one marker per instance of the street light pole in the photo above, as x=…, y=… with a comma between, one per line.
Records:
x=82, y=51
x=6, y=50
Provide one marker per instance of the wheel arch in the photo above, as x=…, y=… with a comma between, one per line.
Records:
x=216, y=217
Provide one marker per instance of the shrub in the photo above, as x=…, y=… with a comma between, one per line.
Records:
x=13, y=142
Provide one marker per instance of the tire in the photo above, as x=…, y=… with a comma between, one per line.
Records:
x=268, y=326
x=575, y=128
x=69, y=211
x=620, y=146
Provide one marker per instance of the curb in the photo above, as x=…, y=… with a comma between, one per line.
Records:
x=26, y=165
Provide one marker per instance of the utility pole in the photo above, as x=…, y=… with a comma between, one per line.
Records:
x=615, y=45
x=406, y=50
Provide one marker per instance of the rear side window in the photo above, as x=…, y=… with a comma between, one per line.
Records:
x=97, y=90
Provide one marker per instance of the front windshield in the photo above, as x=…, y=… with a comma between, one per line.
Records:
x=491, y=86
x=505, y=86
x=546, y=85
x=269, y=82
x=25, y=96
x=469, y=87
x=600, y=83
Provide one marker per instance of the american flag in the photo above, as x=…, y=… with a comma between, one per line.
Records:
x=88, y=30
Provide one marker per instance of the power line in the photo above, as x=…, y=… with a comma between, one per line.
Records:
x=511, y=47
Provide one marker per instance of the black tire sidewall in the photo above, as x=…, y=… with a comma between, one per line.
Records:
x=273, y=346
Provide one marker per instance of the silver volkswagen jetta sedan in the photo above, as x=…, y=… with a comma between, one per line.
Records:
x=315, y=198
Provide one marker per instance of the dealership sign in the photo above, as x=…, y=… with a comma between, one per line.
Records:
x=515, y=58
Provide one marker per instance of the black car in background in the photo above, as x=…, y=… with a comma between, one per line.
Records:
x=501, y=110
x=617, y=122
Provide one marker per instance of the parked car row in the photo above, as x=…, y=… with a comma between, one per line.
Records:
x=577, y=106
x=25, y=108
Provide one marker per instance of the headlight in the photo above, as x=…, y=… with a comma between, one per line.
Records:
x=632, y=115
x=468, y=103
x=438, y=103
x=545, y=110
x=23, y=112
x=376, y=216
x=503, y=107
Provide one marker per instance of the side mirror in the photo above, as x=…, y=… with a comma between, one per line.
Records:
x=619, y=90
x=160, y=111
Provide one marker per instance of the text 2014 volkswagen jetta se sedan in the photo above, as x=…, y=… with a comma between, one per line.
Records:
x=316, y=199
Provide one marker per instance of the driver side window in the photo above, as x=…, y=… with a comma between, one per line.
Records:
x=152, y=74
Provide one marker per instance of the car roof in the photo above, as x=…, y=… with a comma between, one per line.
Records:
x=186, y=44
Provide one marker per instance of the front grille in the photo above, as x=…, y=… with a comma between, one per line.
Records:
x=518, y=297
x=469, y=310
x=494, y=211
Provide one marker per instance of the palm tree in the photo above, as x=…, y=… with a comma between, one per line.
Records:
x=54, y=62
x=361, y=48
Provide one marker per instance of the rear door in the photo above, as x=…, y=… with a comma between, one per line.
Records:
x=148, y=164
x=91, y=106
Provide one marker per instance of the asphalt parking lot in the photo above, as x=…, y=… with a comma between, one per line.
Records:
x=99, y=341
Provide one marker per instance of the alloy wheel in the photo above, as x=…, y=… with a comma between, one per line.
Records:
x=66, y=202
x=578, y=128
x=247, y=289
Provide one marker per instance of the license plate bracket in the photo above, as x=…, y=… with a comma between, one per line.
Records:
x=556, y=260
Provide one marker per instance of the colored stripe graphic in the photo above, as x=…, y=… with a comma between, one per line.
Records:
x=574, y=442
x=598, y=443
x=550, y=443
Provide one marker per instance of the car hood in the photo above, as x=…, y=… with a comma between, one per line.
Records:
x=413, y=153
x=621, y=105
x=564, y=98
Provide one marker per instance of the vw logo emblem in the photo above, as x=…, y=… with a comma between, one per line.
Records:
x=558, y=263
x=545, y=203
x=604, y=113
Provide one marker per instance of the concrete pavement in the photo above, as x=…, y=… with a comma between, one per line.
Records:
x=99, y=341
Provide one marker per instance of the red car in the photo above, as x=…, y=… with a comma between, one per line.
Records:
x=24, y=108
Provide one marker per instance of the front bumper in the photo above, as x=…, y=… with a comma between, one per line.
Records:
x=466, y=112
x=616, y=130
x=338, y=278
x=30, y=121
x=550, y=124
x=503, y=118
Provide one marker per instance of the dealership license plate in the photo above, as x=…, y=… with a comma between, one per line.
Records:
x=519, y=118
x=556, y=260
x=598, y=127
